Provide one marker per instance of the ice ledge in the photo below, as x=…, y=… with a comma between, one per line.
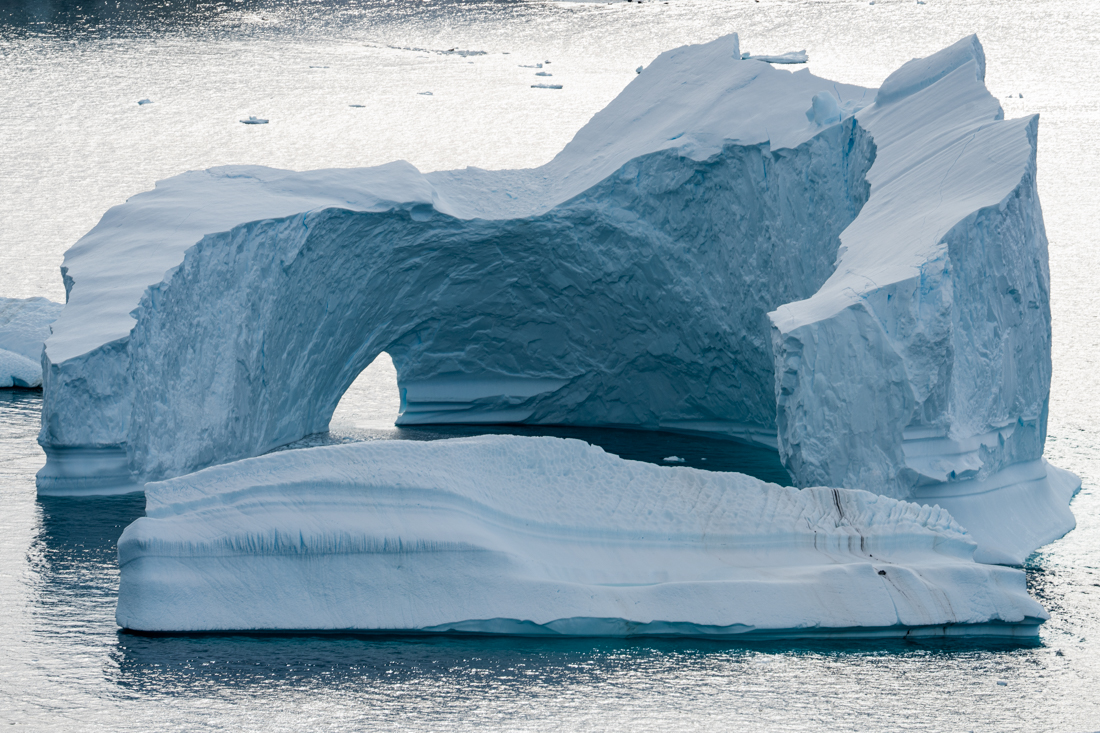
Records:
x=559, y=536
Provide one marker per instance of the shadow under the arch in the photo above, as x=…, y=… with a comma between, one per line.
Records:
x=650, y=446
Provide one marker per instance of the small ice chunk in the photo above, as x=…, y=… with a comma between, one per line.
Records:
x=673, y=459
x=791, y=57
x=425, y=94
x=638, y=70
x=145, y=101
x=546, y=86
x=254, y=120
x=824, y=109
x=543, y=73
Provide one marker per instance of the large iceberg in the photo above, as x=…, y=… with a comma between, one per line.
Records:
x=24, y=326
x=506, y=534
x=855, y=278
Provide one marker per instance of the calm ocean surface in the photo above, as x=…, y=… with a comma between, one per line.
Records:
x=74, y=141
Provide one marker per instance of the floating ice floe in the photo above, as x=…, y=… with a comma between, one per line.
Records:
x=791, y=57
x=24, y=326
x=866, y=293
x=673, y=459
x=447, y=52
x=544, y=536
x=253, y=120
x=144, y=102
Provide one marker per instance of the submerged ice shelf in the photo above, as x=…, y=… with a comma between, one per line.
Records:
x=518, y=535
x=855, y=278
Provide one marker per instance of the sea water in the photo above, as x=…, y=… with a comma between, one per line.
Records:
x=74, y=141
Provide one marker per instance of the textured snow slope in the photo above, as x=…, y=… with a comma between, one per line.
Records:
x=855, y=278
x=545, y=536
x=24, y=326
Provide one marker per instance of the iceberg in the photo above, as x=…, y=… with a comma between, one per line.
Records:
x=790, y=57
x=855, y=278
x=545, y=536
x=24, y=327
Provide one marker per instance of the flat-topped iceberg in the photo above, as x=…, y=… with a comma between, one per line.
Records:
x=855, y=278
x=24, y=326
x=506, y=534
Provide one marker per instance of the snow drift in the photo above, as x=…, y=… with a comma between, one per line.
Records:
x=857, y=279
x=24, y=326
x=505, y=534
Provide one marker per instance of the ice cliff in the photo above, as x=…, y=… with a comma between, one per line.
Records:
x=24, y=326
x=856, y=278
x=504, y=534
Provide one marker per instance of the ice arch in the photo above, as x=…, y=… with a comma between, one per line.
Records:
x=859, y=280
x=373, y=399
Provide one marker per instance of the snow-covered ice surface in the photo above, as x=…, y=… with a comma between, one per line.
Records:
x=24, y=326
x=893, y=238
x=519, y=535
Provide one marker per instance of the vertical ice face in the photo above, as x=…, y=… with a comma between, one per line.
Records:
x=921, y=368
x=857, y=280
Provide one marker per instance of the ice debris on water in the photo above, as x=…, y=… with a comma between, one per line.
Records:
x=546, y=86
x=254, y=120
x=448, y=52
x=672, y=459
x=145, y=101
x=791, y=57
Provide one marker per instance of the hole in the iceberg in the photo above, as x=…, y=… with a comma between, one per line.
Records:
x=369, y=407
x=372, y=400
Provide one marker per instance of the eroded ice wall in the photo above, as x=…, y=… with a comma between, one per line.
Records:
x=922, y=366
x=641, y=302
